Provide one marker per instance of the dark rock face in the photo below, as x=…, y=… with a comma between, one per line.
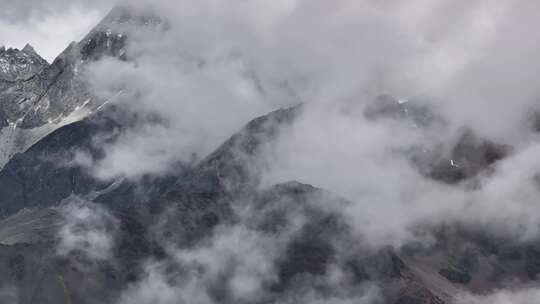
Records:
x=456, y=276
x=532, y=261
x=42, y=176
x=421, y=296
x=310, y=252
x=104, y=44
x=470, y=156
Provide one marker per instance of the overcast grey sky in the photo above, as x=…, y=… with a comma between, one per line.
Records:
x=49, y=25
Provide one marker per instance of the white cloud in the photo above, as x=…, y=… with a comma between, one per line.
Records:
x=88, y=228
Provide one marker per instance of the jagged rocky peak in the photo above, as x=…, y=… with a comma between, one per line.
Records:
x=109, y=37
x=20, y=64
x=28, y=49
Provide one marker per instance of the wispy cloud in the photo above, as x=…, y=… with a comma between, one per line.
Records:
x=88, y=229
